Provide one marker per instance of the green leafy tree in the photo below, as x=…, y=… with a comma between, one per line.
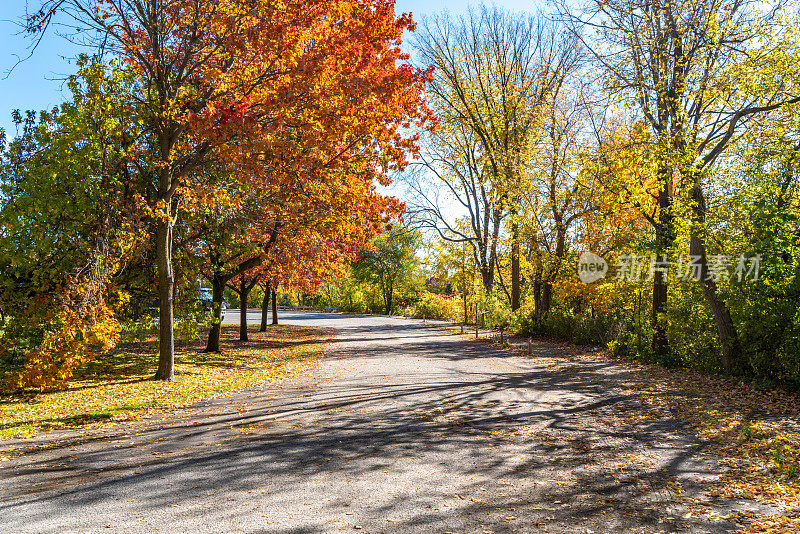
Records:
x=389, y=262
x=761, y=215
x=68, y=223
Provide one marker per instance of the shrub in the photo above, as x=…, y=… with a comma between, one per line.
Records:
x=582, y=329
x=138, y=331
x=433, y=306
x=495, y=313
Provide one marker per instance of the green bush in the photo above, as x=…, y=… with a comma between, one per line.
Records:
x=188, y=327
x=582, y=329
x=496, y=313
x=138, y=331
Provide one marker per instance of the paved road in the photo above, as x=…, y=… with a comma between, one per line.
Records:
x=254, y=316
x=403, y=428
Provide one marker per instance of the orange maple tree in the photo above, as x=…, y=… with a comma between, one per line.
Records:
x=311, y=97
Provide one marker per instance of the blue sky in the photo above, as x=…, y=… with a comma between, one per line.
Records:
x=37, y=83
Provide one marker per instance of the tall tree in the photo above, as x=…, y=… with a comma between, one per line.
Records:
x=192, y=58
x=493, y=72
x=555, y=193
x=232, y=78
x=698, y=72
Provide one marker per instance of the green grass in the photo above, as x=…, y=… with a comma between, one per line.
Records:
x=118, y=386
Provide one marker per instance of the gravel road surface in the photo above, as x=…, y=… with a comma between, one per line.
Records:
x=403, y=428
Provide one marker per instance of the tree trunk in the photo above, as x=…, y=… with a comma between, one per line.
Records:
x=728, y=337
x=537, y=298
x=664, y=240
x=166, y=281
x=516, y=289
x=274, y=306
x=546, y=299
x=217, y=293
x=660, y=293
x=388, y=300
x=487, y=277
x=543, y=290
x=265, y=309
x=244, y=294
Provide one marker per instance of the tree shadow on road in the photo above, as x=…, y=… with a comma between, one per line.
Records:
x=491, y=449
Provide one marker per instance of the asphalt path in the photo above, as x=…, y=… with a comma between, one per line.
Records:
x=254, y=316
x=403, y=428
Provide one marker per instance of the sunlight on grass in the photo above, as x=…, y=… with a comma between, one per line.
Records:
x=119, y=386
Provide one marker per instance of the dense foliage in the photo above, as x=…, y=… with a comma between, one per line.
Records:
x=617, y=131
x=243, y=148
x=239, y=143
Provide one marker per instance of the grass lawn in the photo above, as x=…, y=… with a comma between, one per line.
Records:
x=118, y=386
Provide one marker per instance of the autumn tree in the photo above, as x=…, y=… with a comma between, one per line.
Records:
x=321, y=245
x=554, y=192
x=190, y=59
x=493, y=72
x=698, y=72
x=247, y=80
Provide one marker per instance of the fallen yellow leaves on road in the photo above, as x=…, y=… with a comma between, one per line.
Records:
x=753, y=430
